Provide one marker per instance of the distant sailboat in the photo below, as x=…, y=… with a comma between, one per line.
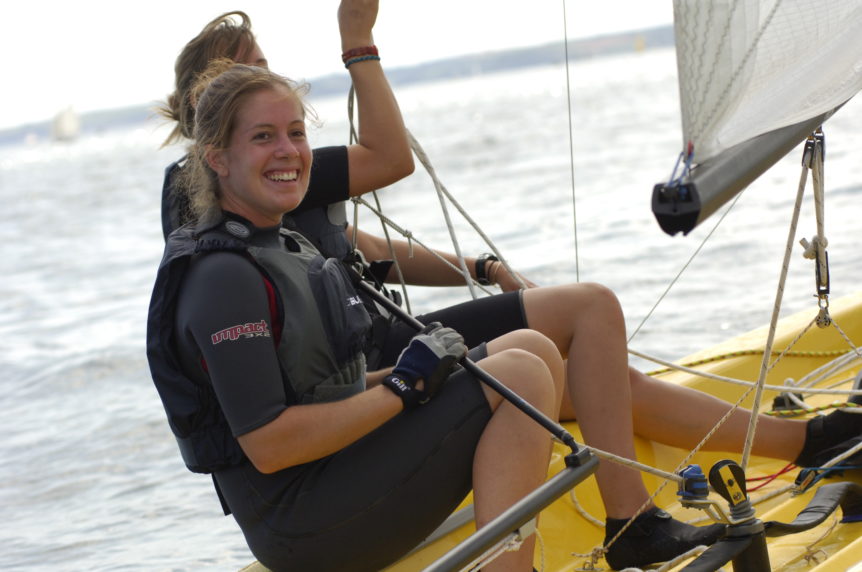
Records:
x=66, y=125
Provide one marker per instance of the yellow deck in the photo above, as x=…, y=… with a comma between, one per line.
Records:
x=565, y=535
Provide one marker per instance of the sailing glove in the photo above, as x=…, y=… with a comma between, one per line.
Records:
x=430, y=356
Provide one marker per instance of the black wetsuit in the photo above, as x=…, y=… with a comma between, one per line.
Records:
x=358, y=509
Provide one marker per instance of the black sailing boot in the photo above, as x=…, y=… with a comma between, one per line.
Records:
x=828, y=435
x=655, y=536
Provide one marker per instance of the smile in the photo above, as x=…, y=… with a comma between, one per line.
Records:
x=280, y=176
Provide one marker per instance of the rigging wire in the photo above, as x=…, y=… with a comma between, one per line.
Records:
x=354, y=138
x=683, y=269
x=812, y=159
x=571, y=145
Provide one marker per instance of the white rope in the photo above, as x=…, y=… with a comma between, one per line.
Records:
x=423, y=158
x=838, y=458
x=401, y=280
x=670, y=477
x=407, y=234
x=511, y=543
x=741, y=382
x=583, y=512
x=831, y=368
x=696, y=551
x=442, y=191
x=353, y=137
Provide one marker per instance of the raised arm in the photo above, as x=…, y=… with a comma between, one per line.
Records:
x=383, y=155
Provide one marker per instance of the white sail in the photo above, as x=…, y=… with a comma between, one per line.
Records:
x=756, y=77
x=66, y=125
x=748, y=67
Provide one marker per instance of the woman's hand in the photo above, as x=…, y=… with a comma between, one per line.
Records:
x=507, y=282
x=356, y=18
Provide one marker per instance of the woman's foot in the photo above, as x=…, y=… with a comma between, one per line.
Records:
x=828, y=435
x=654, y=536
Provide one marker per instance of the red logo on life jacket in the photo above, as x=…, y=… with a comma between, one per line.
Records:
x=250, y=330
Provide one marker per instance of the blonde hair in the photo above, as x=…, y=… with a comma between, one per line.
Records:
x=218, y=97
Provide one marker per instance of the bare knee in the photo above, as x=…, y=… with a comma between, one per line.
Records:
x=566, y=312
x=600, y=296
x=536, y=344
x=525, y=373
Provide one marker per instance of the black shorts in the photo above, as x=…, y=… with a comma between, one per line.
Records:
x=479, y=320
x=368, y=505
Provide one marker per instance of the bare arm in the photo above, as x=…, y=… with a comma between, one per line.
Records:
x=425, y=269
x=382, y=155
x=375, y=378
x=304, y=433
x=246, y=376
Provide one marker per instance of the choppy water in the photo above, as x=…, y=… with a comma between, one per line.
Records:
x=89, y=475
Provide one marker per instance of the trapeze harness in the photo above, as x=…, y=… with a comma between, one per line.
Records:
x=325, y=315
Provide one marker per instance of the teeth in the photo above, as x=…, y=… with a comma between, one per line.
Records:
x=282, y=176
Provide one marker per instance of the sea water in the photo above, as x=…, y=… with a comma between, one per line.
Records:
x=90, y=476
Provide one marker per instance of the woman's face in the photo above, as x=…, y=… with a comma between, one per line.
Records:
x=265, y=169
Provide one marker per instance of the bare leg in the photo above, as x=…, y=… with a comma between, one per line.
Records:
x=513, y=453
x=586, y=323
x=694, y=413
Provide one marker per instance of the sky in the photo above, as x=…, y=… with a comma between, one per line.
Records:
x=98, y=54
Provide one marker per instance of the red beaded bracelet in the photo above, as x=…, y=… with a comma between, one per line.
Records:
x=357, y=52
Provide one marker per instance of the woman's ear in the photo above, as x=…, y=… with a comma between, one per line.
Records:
x=216, y=160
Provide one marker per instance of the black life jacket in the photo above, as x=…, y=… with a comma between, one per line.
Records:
x=319, y=350
x=176, y=210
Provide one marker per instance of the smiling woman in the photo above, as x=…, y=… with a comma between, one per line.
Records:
x=277, y=408
x=263, y=167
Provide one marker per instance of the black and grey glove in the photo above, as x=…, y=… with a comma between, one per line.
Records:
x=430, y=356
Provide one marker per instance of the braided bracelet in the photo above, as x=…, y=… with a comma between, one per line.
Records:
x=352, y=61
x=360, y=51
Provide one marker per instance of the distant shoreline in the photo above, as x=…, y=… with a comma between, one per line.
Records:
x=450, y=68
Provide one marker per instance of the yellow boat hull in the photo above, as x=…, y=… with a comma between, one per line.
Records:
x=567, y=537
